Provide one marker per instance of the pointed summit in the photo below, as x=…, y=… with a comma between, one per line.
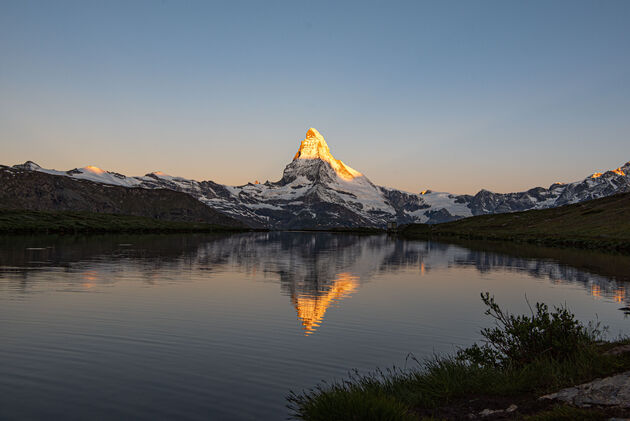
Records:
x=312, y=132
x=314, y=146
x=28, y=165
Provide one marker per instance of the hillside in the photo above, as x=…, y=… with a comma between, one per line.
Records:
x=37, y=191
x=24, y=221
x=599, y=223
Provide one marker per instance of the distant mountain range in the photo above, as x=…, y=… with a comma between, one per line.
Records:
x=318, y=191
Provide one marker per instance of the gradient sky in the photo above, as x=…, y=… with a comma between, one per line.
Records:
x=452, y=96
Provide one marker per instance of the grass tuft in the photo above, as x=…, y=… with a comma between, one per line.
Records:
x=522, y=356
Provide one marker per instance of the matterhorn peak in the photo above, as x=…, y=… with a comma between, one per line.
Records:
x=313, y=133
x=314, y=146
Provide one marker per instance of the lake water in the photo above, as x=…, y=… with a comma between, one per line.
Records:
x=222, y=327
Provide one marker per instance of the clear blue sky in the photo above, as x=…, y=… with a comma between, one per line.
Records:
x=452, y=96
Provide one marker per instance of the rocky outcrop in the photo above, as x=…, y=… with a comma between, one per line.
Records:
x=33, y=190
x=610, y=391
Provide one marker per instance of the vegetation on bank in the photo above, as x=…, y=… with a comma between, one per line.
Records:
x=599, y=223
x=23, y=221
x=522, y=358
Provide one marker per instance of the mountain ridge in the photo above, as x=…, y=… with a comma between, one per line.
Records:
x=317, y=190
x=27, y=189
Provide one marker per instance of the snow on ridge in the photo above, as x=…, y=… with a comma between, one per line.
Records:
x=444, y=200
x=307, y=184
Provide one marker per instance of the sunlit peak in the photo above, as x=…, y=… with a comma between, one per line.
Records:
x=94, y=170
x=619, y=171
x=313, y=133
x=314, y=146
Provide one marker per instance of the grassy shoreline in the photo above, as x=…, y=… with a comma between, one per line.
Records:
x=596, y=224
x=521, y=359
x=69, y=222
x=17, y=221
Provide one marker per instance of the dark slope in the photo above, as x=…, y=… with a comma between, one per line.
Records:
x=599, y=223
x=64, y=222
x=31, y=190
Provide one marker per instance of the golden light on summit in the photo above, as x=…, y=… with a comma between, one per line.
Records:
x=94, y=170
x=314, y=146
x=617, y=171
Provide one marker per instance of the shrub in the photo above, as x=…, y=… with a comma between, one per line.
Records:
x=517, y=341
x=522, y=354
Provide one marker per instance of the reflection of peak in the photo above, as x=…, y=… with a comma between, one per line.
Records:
x=314, y=146
x=312, y=307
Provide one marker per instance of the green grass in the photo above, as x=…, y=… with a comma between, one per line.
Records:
x=439, y=385
x=441, y=382
x=22, y=221
x=600, y=223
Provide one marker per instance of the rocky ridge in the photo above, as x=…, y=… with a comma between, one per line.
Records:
x=318, y=191
x=32, y=190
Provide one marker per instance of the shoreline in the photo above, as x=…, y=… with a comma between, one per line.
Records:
x=544, y=366
x=596, y=224
x=601, y=244
x=17, y=221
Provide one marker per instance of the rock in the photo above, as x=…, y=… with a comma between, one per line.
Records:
x=610, y=391
x=511, y=408
x=486, y=412
x=621, y=349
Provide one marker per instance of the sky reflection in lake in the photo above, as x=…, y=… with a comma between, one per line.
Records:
x=221, y=327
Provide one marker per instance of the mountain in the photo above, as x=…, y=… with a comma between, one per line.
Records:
x=598, y=224
x=318, y=191
x=25, y=187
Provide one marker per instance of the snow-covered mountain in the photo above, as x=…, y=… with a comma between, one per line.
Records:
x=316, y=191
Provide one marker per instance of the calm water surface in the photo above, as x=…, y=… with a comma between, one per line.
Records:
x=222, y=327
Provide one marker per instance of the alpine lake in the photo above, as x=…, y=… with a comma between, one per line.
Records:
x=222, y=327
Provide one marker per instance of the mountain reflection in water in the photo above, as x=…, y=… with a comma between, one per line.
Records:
x=311, y=307
x=221, y=327
x=316, y=270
